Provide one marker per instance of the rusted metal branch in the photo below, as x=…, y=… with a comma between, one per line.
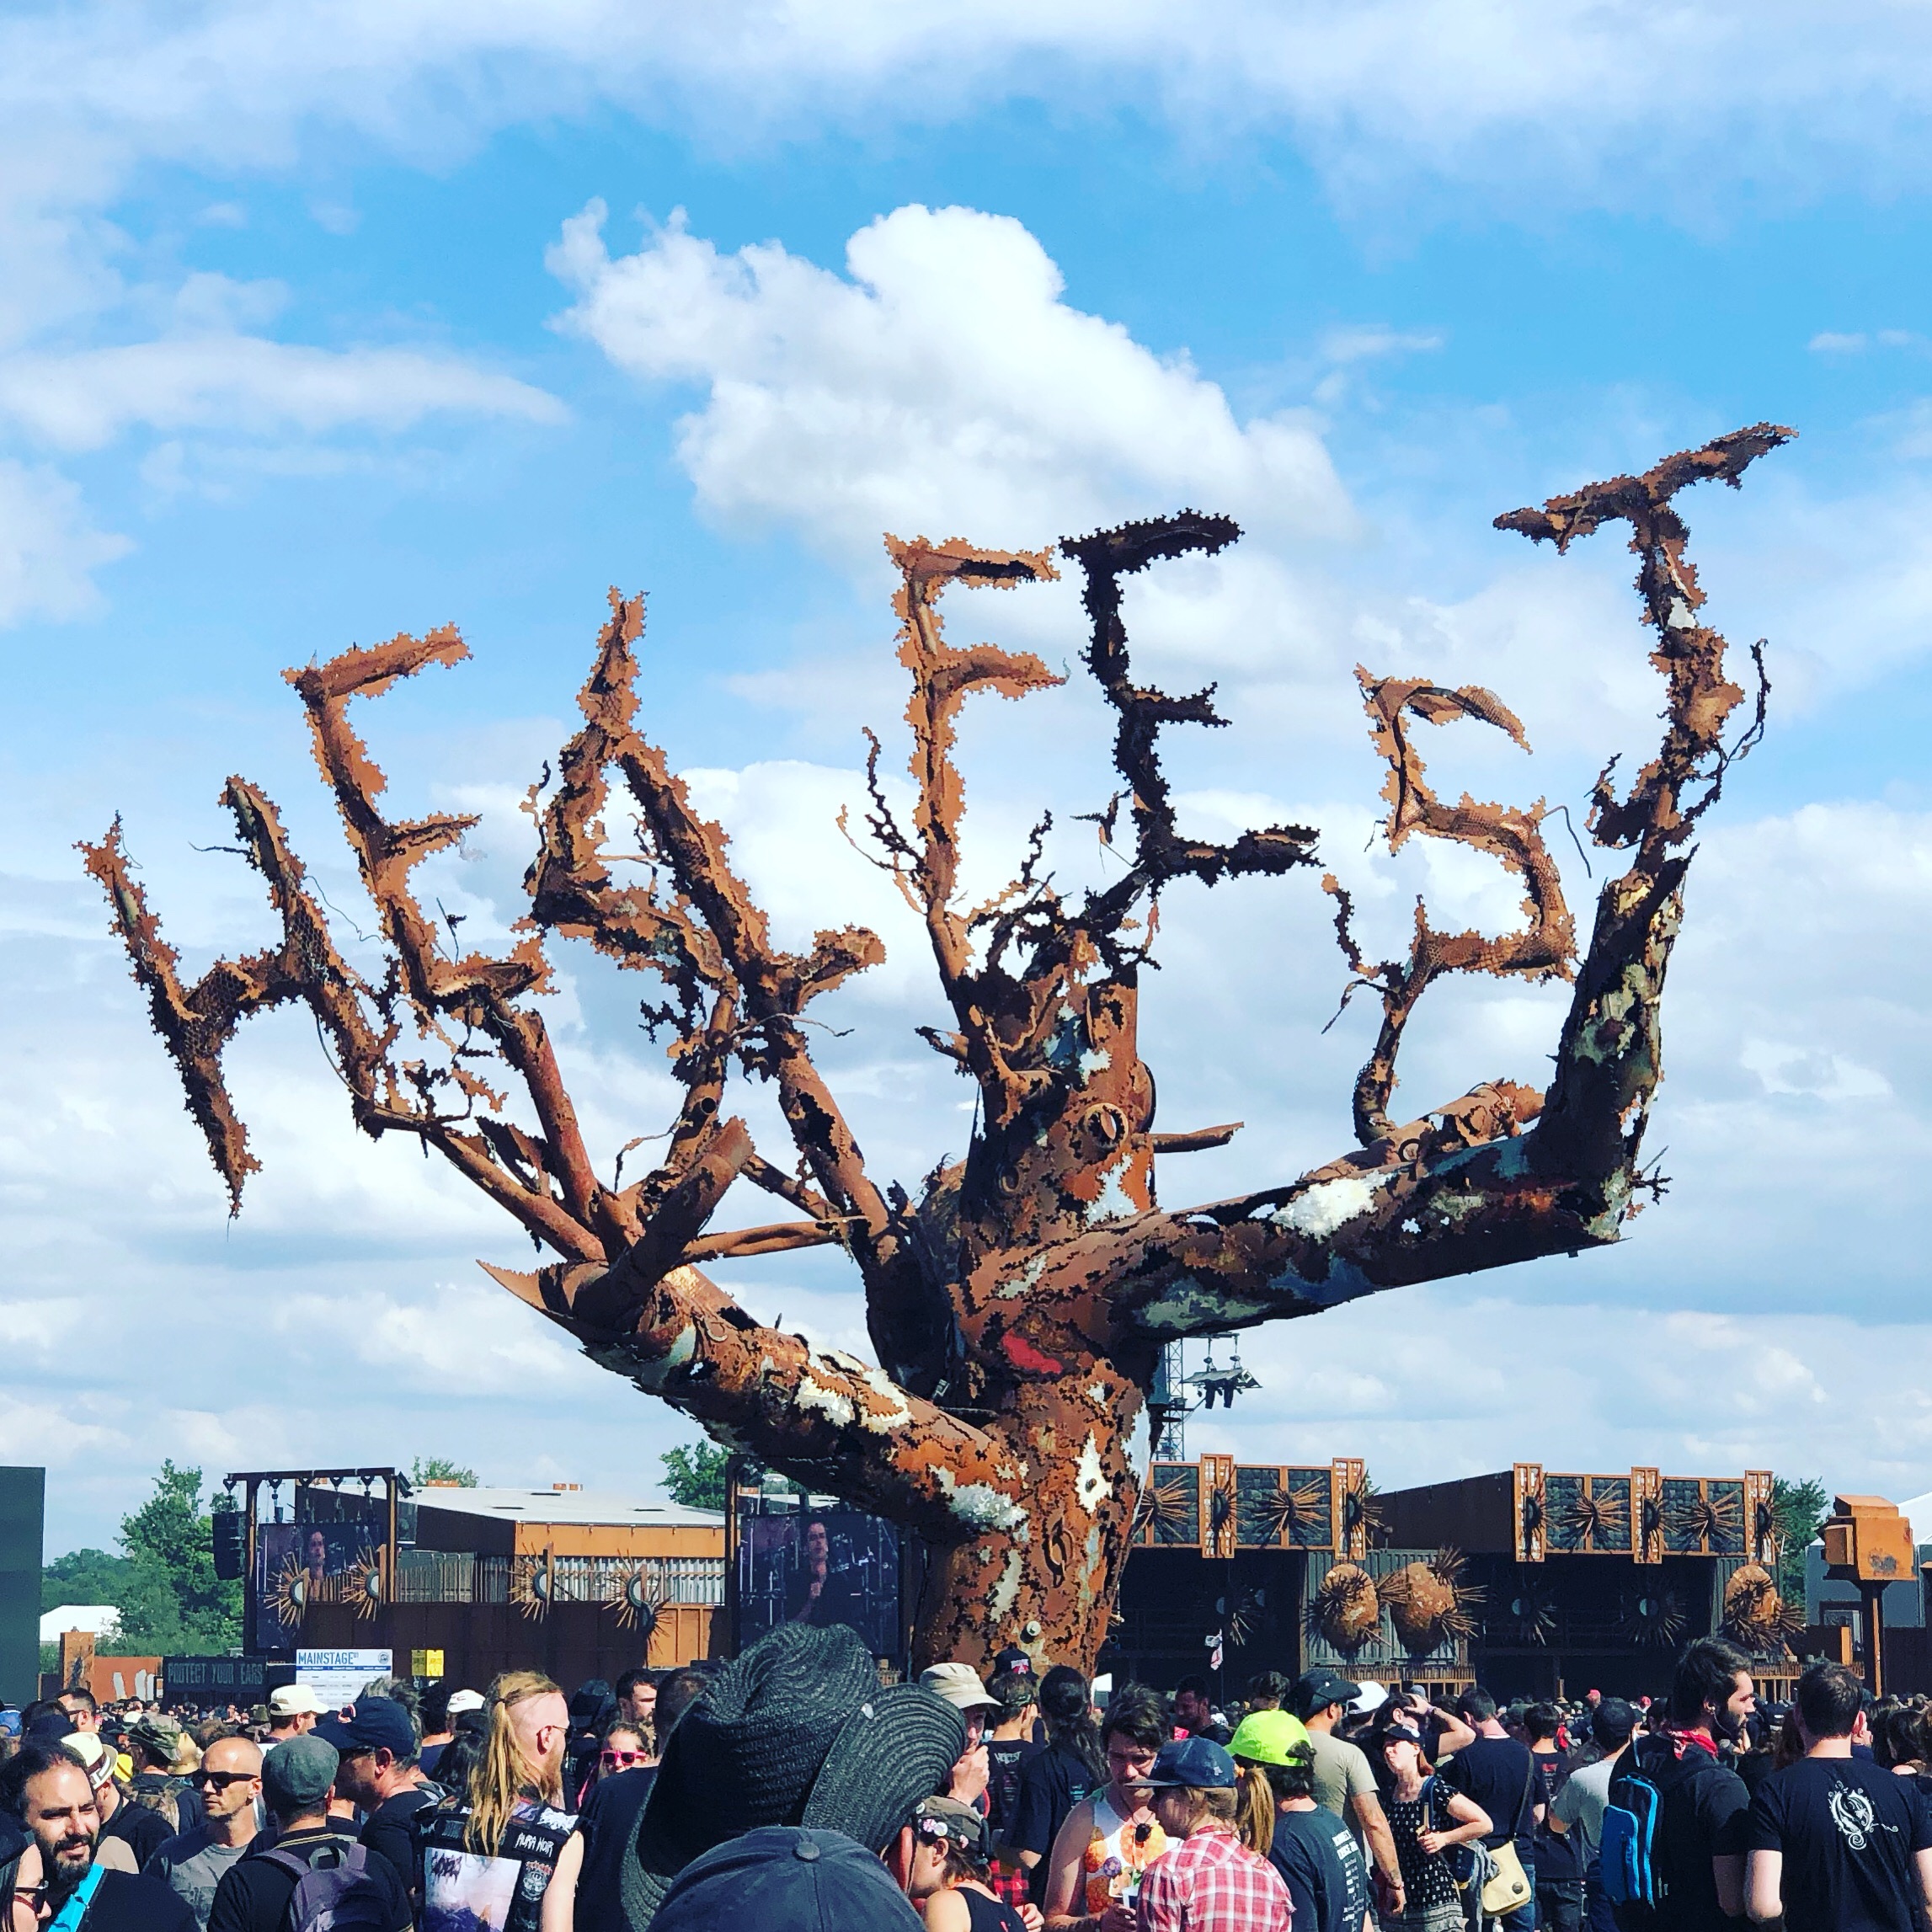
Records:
x=1546, y=949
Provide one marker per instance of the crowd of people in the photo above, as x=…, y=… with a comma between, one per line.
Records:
x=791, y=1790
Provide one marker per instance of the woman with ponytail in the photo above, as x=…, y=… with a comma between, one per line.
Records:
x=1210, y=1881
x=488, y=1854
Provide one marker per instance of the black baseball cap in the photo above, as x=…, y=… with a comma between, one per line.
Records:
x=1317, y=1689
x=784, y=1878
x=369, y=1724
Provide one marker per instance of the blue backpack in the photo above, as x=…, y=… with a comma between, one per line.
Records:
x=1633, y=1821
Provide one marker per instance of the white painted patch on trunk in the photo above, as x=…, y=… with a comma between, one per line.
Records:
x=1006, y=1591
x=895, y=1415
x=1015, y=1285
x=1140, y=1446
x=1326, y=1206
x=652, y=1375
x=1091, y=1485
x=1094, y=1060
x=982, y=1505
x=1097, y=1394
x=833, y=1404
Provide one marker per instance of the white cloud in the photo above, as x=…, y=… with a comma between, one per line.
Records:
x=1360, y=342
x=944, y=387
x=49, y=549
x=246, y=384
x=1379, y=93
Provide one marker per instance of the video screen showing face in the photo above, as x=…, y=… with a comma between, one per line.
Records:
x=299, y=1564
x=819, y=1566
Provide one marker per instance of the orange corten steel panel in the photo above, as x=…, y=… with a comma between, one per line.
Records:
x=615, y=1539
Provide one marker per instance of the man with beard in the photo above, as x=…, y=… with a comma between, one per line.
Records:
x=46, y=1788
x=1704, y=1808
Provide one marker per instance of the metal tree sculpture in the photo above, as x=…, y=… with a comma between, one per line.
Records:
x=1018, y=1304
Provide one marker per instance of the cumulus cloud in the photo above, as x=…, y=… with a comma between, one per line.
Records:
x=942, y=385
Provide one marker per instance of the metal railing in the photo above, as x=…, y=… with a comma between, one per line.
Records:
x=458, y=1576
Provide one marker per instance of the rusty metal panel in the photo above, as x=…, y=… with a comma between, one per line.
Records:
x=1217, y=1506
x=1647, y=1515
x=1532, y=1525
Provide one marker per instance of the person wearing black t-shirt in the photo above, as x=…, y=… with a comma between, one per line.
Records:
x=298, y=1780
x=1071, y=1768
x=48, y=1789
x=378, y=1770
x=1559, y=1864
x=1009, y=1749
x=1697, y=1848
x=1497, y=1775
x=1836, y=1843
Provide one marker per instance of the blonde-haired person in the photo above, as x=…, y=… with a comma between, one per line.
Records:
x=491, y=1850
x=1210, y=1881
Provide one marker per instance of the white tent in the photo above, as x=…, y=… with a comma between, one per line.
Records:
x=102, y=1619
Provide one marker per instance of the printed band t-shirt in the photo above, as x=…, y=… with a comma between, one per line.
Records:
x=1321, y=1865
x=1848, y=1832
x=465, y=1890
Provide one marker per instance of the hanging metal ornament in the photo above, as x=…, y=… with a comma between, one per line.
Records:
x=638, y=1601
x=1345, y=1610
x=1429, y=1602
x=531, y=1584
x=362, y=1583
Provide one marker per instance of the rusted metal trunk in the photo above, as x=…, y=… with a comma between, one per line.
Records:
x=1043, y=1573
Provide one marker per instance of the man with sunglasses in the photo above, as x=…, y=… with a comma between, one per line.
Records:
x=380, y=1773
x=228, y=1783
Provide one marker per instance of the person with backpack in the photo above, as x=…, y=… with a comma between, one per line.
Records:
x=1838, y=1843
x=1428, y=1821
x=1672, y=1851
x=307, y=1877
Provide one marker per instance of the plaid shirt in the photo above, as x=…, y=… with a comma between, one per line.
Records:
x=1211, y=1882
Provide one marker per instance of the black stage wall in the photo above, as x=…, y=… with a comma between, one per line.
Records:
x=23, y=1516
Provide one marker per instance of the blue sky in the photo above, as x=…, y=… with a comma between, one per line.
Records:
x=311, y=331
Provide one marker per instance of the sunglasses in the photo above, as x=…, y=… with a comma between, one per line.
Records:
x=220, y=1779
x=622, y=1757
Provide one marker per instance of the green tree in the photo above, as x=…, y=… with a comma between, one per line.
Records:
x=85, y=1576
x=163, y=1582
x=694, y=1474
x=170, y=1540
x=1800, y=1509
x=440, y=1469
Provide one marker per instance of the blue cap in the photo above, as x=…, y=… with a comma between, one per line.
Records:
x=369, y=1724
x=1198, y=1763
x=783, y=1878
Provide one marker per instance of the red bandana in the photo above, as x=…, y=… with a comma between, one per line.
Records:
x=1682, y=1740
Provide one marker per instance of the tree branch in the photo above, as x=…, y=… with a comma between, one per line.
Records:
x=1161, y=853
x=816, y=1414
x=1544, y=950
x=1505, y=1174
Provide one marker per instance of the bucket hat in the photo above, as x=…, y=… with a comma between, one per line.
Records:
x=794, y=1731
